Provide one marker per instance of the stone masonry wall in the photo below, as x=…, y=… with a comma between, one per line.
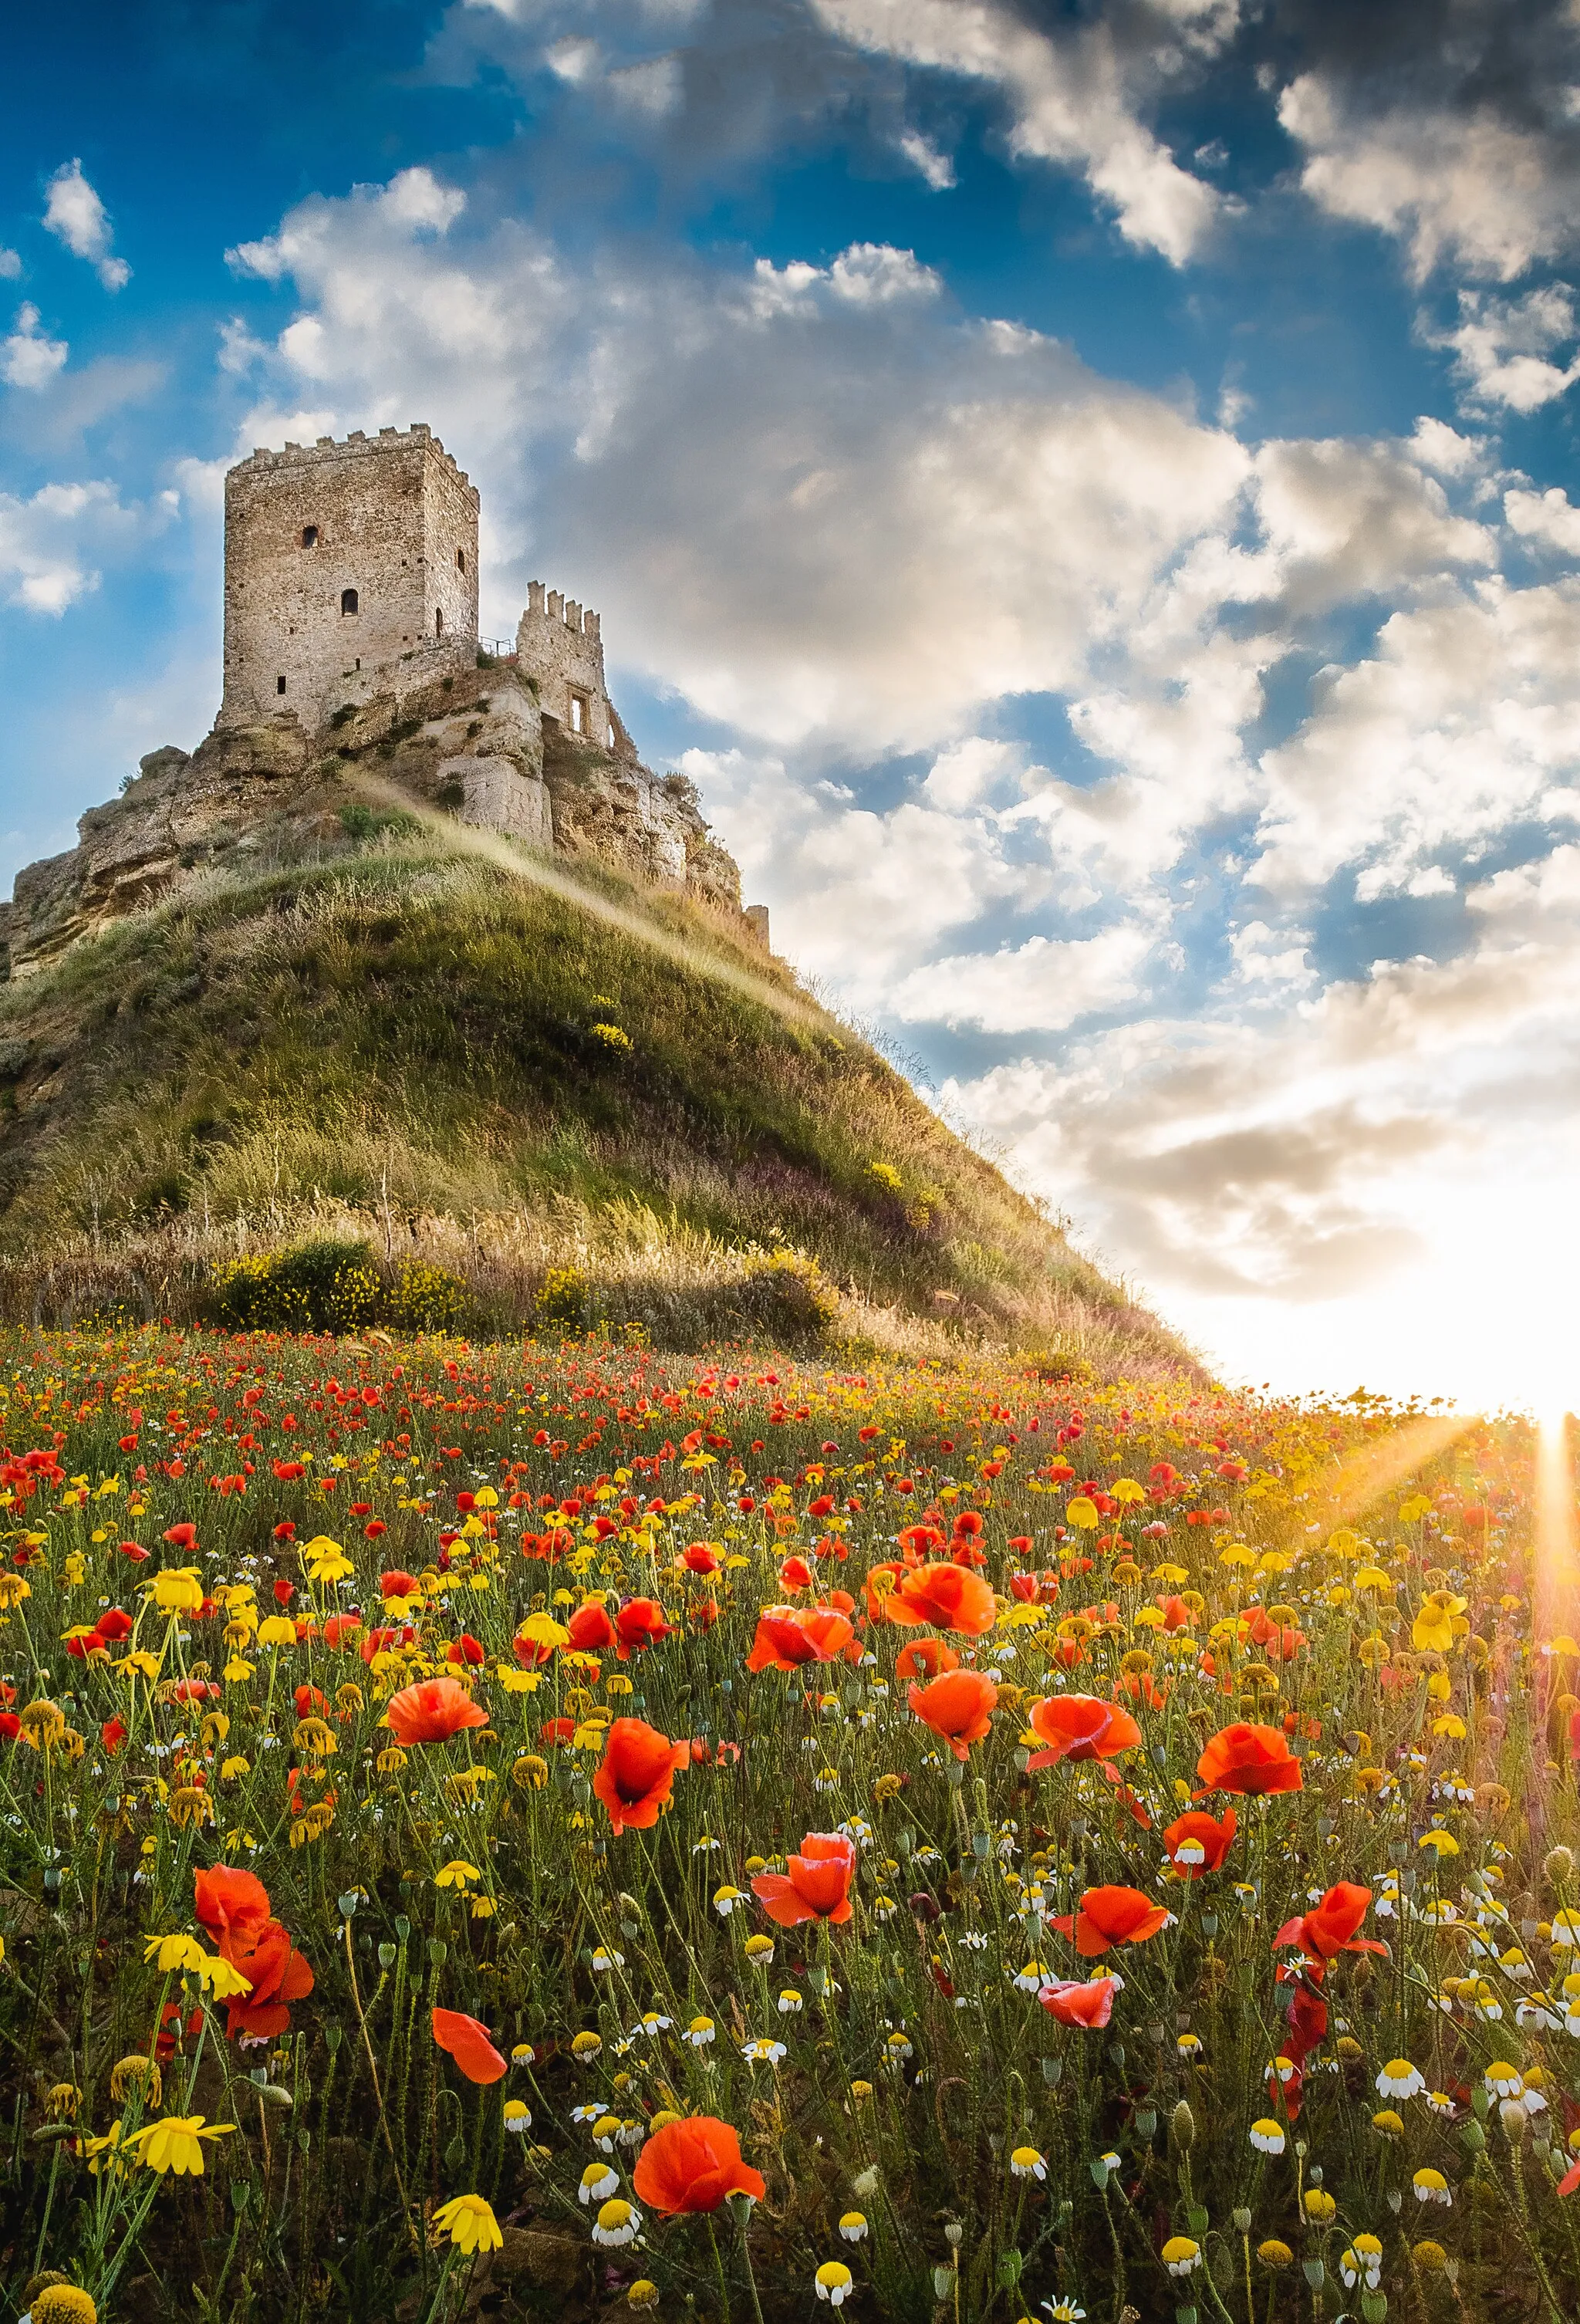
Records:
x=389, y=519
x=561, y=646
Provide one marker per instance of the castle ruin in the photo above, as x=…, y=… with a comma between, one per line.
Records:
x=351, y=636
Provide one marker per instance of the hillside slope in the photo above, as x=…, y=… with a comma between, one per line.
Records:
x=508, y=1070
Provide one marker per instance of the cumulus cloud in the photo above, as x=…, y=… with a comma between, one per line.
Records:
x=29, y=357
x=48, y=542
x=1493, y=195
x=1503, y=347
x=75, y=215
x=1548, y=519
x=925, y=157
x=1345, y=519
x=1074, y=96
x=1458, y=725
x=814, y=496
x=1042, y=985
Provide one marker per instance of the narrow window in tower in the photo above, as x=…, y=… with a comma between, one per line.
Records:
x=348, y=601
x=578, y=714
x=611, y=742
x=279, y=686
x=309, y=536
x=460, y=560
x=438, y=622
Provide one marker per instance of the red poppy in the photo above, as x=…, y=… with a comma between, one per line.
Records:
x=432, y=1712
x=701, y=1557
x=465, y=1649
x=691, y=2166
x=279, y=1974
x=591, y=1630
x=182, y=1536
x=814, y=1886
x=795, y=1575
x=636, y=1775
x=1080, y=1726
x=112, y=1735
x=1329, y=1928
x=399, y=1584
x=1248, y=1760
x=948, y=1597
x=639, y=1624
x=789, y=1635
x=468, y=2043
x=1089, y=2003
x=927, y=1657
x=130, y=1549
x=919, y=1541
x=958, y=1707
x=230, y=1904
x=113, y=1625
x=1112, y=1916
x=1197, y=1830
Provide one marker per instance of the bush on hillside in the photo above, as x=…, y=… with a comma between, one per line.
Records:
x=334, y=1286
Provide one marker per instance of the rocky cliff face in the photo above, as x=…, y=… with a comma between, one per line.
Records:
x=452, y=737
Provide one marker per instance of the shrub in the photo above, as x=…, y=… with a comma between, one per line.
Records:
x=789, y=1299
x=425, y=1298
x=318, y=1287
x=562, y=1298
x=611, y=1037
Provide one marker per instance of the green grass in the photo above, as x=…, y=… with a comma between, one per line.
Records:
x=402, y=1044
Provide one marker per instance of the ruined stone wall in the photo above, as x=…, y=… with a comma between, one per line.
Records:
x=390, y=520
x=561, y=645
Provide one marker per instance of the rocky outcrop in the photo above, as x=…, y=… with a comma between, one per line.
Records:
x=458, y=735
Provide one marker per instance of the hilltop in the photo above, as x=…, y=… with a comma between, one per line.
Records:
x=596, y=1101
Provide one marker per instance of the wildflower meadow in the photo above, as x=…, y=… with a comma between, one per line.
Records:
x=547, y=1829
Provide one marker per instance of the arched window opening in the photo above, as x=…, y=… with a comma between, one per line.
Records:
x=440, y=622
x=460, y=560
x=348, y=601
x=309, y=536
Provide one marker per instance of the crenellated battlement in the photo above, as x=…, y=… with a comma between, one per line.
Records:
x=358, y=443
x=560, y=644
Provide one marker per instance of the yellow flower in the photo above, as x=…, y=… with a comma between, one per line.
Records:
x=469, y=2225
x=175, y=2142
x=1274, y=2253
x=325, y=1560
x=1320, y=2205
x=222, y=1977
x=456, y=1874
x=174, y=1952
x=1432, y=1631
x=278, y=1630
x=63, y=2304
x=179, y=1590
x=137, y=2073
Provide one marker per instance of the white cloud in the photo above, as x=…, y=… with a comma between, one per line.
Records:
x=1548, y=518
x=926, y=158
x=812, y=497
x=76, y=216
x=1345, y=520
x=10, y=265
x=1042, y=985
x=1502, y=347
x=1458, y=724
x=1073, y=97
x=46, y=542
x=961, y=777
x=1451, y=185
x=29, y=357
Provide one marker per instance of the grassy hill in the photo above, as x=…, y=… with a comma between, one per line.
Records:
x=594, y=1102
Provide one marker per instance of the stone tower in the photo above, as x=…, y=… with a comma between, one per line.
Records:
x=340, y=559
x=561, y=645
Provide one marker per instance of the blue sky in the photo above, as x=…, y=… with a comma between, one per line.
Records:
x=1088, y=492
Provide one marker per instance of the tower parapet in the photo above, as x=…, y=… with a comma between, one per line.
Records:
x=560, y=645
x=342, y=559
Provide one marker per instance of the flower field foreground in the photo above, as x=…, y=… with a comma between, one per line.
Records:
x=536, y=1832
